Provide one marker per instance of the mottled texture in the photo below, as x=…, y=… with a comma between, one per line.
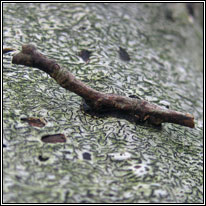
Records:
x=129, y=163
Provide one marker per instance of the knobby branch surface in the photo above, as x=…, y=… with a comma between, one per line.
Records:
x=140, y=110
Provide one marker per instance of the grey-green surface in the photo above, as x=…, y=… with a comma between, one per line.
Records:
x=129, y=163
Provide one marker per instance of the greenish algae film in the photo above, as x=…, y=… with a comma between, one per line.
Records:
x=127, y=163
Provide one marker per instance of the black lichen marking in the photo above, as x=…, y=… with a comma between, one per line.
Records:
x=55, y=138
x=123, y=54
x=190, y=9
x=86, y=156
x=35, y=122
x=82, y=28
x=42, y=158
x=134, y=96
x=169, y=15
x=66, y=152
x=85, y=54
x=66, y=196
x=18, y=177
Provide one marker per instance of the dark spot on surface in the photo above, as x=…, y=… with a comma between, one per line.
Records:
x=110, y=195
x=137, y=167
x=18, y=177
x=85, y=54
x=190, y=9
x=158, y=62
x=35, y=122
x=84, y=201
x=4, y=145
x=134, y=96
x=82, y=28
x=42, y=158
x=55, y=138
x=89, y=194
x=66, y=152
x=123, y=54
x=86, y=156
x=169, y=15
x=67, y=194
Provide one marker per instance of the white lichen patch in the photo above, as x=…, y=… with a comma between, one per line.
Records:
x=120, y=156
x=140, y=169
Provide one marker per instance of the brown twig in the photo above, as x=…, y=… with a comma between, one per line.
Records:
x=6, y=50
x=140, y=110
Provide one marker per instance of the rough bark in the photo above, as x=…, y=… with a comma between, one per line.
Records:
x=140, y=110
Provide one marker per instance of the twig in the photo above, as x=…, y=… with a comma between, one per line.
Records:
x=140, y=110
x=6, y=50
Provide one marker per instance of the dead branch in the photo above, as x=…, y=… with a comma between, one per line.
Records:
x=140, y=110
